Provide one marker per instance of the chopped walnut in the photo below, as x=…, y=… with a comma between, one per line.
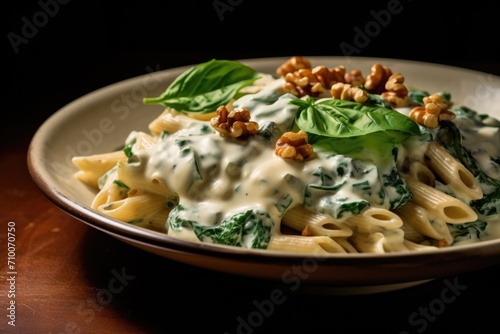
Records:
x=295, y=146
x=329, y=76
x=293, y=64
x=376, y=80
x=434, y=111
x=437, y=99
x=235, y=123
x=303, y=82
x=421, y=116
x=345, y=91
x=322, y=73
x=397, y=93
x=355, y=78
x=313, y=82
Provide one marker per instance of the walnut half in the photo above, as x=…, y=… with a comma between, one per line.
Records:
x=293, y=64
x=345, y=91
x=235, y=123
x=396, y=92
x=294, y=145
x=434, y=111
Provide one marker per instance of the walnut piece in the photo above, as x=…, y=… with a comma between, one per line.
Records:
x=303, y=82
x=235, y=123
x=396, y=92
x=294, y=145
x=376, y=80
x=434, y=111
x=313, y=82
x=329, y=76
x=345, y=91
x=293, y=64
x=355, y=78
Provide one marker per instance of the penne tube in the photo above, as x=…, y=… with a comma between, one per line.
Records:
x=422, y=173
x=416, y=218
x=439, y=204
x=109, y=193
x=375, y=219
x=143, y=141
x=169, y=121
x=413, y=234
x=304, y=244
x=368, y=242
x=99, y=163
x=204, y=117
x=452, y=172
x=89, y=178
x=387, y=241
x=92, y=167
x=134, y=207
x=344, y=243
x=156, y=220
x=300, y=218
x=131, y=180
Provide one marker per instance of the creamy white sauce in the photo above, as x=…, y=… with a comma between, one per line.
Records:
x=483, y=143
x=217, y=177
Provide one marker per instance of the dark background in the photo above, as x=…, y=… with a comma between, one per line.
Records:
x=59, y=50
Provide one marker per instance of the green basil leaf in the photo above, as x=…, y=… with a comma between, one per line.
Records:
x=205, y=87
x=342, y=119
x=377, y=143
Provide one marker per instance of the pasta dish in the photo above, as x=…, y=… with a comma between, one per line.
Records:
x=309, y=159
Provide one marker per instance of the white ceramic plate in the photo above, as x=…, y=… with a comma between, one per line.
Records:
x=100, y=121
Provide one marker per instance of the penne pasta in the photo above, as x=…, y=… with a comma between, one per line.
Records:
x=169, y=121
x=126, y=175
x=92, y=167
x=443, y=206
x=417, y=220
x=134, y=207
x=376, y=219
x=144, y=141
x=299, y=218
x=305, y=244
x=379, y=242
x=366, y=242
x=452, y=172
x=422, y=173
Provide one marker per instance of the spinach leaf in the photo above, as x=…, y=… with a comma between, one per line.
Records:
x=248, y=229
x=205, y=87
x=467, y=231
x=450, y=137
x=343, y=119
x=417, y=95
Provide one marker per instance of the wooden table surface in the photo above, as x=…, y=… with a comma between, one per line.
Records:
x=71, y=278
